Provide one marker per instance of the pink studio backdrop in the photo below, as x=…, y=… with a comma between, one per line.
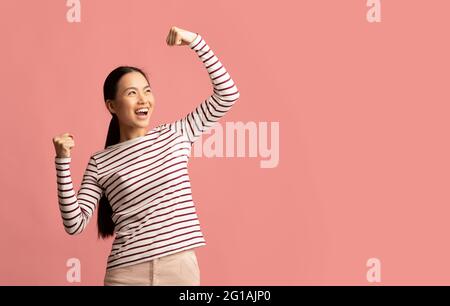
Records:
x=362, y=108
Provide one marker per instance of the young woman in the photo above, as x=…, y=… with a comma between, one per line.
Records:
x=140, y=180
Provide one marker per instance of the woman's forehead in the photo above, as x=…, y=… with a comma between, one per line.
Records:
x=133, y=79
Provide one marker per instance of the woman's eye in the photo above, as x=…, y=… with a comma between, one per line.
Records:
x=148, y=90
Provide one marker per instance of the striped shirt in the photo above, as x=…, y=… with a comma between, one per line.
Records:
x=146, y=179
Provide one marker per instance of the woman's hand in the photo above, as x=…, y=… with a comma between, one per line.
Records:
x=63, y=144
x=179, y=37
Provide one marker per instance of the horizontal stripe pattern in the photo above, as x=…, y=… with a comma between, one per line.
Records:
x=146, y=179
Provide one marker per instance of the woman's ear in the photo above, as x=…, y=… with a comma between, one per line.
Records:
x=110, y=106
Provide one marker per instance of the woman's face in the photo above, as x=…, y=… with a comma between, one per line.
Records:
x=133, y=93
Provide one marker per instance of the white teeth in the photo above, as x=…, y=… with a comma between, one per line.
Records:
x=142, y=110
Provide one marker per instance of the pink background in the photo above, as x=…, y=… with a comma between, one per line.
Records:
x=363, y=112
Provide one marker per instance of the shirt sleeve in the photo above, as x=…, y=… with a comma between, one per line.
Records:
x=224, y=95
x=77, y=208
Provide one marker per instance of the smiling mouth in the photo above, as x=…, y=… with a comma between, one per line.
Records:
x=142, y=112
x=142, y=115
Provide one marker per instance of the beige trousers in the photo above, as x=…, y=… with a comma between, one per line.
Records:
x=178, y=269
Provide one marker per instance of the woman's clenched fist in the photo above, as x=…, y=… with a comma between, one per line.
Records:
x=63, y=144
x=180, y=37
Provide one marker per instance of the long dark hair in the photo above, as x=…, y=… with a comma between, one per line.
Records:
x=104, y=217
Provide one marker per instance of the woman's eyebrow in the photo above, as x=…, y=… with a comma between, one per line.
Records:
x=132, y=87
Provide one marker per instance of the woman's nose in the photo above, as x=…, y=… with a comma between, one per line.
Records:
x=143, y=98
